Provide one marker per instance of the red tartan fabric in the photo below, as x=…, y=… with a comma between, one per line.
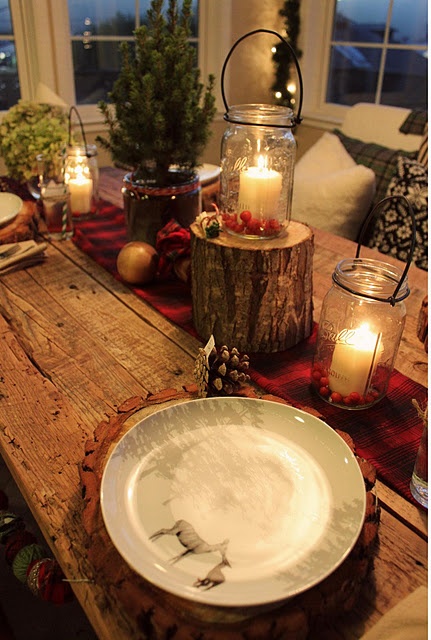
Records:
x=387, y=435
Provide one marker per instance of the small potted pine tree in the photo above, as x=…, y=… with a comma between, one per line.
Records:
x=158, y=122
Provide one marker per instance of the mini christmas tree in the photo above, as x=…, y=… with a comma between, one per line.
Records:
x=161, y=112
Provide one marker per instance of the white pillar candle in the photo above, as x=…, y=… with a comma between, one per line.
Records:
x=259, y=191
x=81, y=191
x=354, y=361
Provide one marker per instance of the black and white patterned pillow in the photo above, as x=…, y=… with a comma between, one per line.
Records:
x=393, y=227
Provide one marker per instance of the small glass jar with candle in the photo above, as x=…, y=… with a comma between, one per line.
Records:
x=257, y=166
x=360, y=328
x=257, y=161
x=82, y=178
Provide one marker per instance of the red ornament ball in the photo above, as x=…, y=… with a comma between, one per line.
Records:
x=46, y=580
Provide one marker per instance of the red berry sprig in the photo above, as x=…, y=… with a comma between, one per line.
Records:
x=247, y=225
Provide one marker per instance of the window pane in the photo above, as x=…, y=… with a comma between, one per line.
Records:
x=353, y=74
x=101, y=17
x=360, y=20
x=5, y=19
x=96, y=66
x=407, y=26
x=405, y=79
x=97, y=61
x=112, y=17
x=9, y=82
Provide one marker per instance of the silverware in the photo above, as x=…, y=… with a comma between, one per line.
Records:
x=9, y=252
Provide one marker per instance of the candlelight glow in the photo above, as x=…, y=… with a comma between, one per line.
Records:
x=260, y=189
x=78, y=178
x=354, y=360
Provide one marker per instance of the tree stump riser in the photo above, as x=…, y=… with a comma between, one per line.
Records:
x=255, y=295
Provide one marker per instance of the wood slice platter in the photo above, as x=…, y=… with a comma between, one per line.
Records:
x=148, y=612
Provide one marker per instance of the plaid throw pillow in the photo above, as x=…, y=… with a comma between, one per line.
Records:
x=393, y=227
x=415, y=122
x=382, y=160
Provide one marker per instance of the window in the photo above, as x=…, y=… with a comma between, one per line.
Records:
x=373, y=51
x=82, y=38
x=9, y=81
x=97, y=27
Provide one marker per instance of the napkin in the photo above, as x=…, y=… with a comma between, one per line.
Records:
x=406, y=621
x=28, y=254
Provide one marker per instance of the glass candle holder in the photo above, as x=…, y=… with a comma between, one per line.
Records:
x=361, y=323
x=257, y=161
x=257, y=166
x=82, y=177
x=359, y=334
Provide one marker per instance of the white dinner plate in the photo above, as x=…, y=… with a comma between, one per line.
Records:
x=233, y=501
x=10, y=205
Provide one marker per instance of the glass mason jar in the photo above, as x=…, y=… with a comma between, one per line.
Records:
x=360, y=329
x=257, y=165
x=82, y=178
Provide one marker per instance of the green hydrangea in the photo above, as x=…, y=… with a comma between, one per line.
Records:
x=30, y=128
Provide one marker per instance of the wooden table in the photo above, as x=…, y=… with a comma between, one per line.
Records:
x=75, y=344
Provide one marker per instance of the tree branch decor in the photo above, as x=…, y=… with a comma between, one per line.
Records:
x=160, y=113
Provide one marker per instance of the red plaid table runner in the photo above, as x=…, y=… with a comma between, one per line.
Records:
x=387, y=434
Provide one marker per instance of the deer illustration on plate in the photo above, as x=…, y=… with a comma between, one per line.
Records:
x=193, y=543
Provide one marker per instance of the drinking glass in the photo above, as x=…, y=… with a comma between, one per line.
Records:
x=419, y=481
x=54, y=197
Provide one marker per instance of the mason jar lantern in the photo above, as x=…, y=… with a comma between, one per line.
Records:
x=257, y=164
x=360, y=329
x=81, y=174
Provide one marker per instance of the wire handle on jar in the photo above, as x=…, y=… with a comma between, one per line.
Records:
x=296, y=119
x=392, y=299
x=73, y=108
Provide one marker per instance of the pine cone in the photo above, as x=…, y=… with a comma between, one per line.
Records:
x=223, y=374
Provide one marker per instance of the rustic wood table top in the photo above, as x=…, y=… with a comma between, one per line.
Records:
x=75, y=344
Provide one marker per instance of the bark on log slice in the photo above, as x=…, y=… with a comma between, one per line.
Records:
x=253, y=294
x=146, y=611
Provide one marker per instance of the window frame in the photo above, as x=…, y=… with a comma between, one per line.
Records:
x=315, y=42
x=43, y=25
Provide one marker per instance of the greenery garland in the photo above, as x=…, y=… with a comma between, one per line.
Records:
x=282, y=56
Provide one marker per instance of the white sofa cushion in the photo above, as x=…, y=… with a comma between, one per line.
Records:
x=330, y=191
x=379, y=124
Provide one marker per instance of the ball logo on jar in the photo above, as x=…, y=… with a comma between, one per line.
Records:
x=345, y=336
x=240, y=164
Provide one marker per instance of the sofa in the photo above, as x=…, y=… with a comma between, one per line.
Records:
x=377, y=153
